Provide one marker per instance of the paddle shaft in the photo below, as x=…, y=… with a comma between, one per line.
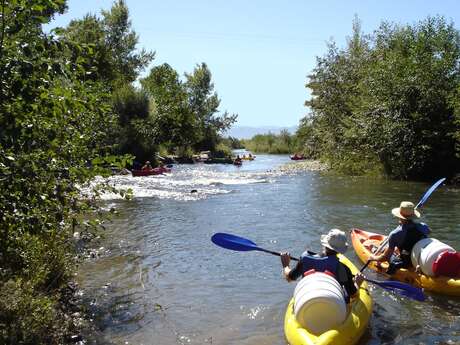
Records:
x=275, y=253
x=365, y=266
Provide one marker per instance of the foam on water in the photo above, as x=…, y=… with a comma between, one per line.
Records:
x=203, y=180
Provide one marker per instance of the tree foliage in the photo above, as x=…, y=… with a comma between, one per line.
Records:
x=55, y=127
x=68, y=109
x=187, y=114
x=113, y=45
x=173, y=119
x=204, y=103
x=284, y=142
x=388, y=99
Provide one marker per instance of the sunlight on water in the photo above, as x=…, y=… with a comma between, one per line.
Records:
x=187, y=183
x=156, y=278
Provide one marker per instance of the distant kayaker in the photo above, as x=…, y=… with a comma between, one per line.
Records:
x=147, y=166
x=334, y=242
x=404, y=237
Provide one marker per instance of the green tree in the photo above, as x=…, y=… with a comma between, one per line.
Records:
x=415, y=71
x=121, y=41
x=175, y=123
x=137, y=132
x=204, y=104
x=112, y=43
x=387, y=100
x=89, y=32
x=54, y=131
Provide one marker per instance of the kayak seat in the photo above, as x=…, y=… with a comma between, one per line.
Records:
x=371, y=243
x=447, y=264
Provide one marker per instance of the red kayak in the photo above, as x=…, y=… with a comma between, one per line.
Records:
x=298, y=158
x=148, y=172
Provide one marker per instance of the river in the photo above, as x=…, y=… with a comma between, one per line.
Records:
x=160, y=280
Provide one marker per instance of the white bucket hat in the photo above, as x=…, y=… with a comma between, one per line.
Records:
x=335, y=240
x=405, y=211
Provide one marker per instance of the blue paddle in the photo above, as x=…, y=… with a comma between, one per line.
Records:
x=428, y=192
x=401, y=288
x=242, y=244
x=239, y=244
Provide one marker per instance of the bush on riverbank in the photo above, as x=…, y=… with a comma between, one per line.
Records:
x=272, y=143
x=68, y=110
x=56, y=124
x=388, y=100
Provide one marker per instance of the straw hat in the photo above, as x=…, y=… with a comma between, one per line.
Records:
x=335, y=240
x=405, y=211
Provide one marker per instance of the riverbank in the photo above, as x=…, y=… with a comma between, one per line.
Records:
x=305, y=165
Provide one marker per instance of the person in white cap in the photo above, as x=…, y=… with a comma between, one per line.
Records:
x=334, y=242
x=404, y=237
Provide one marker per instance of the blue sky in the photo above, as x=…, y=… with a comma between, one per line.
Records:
x=259, y=52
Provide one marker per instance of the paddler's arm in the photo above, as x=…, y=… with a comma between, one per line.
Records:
x=288, y=273
x=358, y=280
x=350, y=282
x=385, y=256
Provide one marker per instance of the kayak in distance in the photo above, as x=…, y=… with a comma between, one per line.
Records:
x=149, y=172
x=249, y=157
x=348, y=332
x=364, y=242
x=297, y=157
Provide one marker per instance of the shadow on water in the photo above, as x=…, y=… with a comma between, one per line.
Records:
x=163, y=282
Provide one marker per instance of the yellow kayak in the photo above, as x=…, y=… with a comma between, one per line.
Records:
x=348, y=333
x=363, y=241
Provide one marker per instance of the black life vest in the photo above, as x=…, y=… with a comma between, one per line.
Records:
x=328, y=263
x=414, y=233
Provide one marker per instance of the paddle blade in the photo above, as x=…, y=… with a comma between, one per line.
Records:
x=233, y=242
x=428, y=192
x=400, y=288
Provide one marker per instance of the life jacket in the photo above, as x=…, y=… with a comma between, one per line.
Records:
x=329, y=265
x=414, y=233
x=320, y=264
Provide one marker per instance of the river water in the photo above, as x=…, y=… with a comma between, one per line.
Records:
x=160, y=280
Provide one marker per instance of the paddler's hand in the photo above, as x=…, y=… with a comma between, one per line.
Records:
x=374, y=258
x=358, y=278
x=285, y=259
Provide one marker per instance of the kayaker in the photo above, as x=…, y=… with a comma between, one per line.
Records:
x=403, y=237
x=334, y=242
x=147, y=166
